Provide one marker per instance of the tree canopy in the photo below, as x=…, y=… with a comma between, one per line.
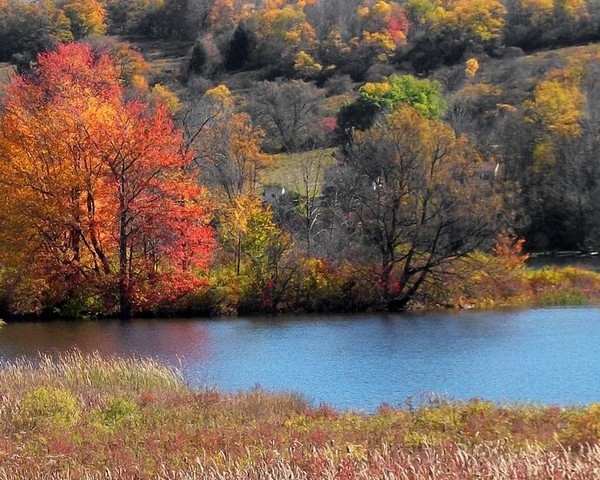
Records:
x=98, y=190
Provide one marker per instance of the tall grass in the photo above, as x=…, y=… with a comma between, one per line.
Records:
x=89, y=417
x=75, y=371
x=453, y=462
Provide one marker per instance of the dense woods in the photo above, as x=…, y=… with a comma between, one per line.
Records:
x=303, y=156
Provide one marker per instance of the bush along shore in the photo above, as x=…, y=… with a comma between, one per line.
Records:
x=89, y=417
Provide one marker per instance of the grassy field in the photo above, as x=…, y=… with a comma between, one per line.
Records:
x=87, y=417
x=288, y=169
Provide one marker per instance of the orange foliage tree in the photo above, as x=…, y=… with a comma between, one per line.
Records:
x=99, y=194
x=384, y=25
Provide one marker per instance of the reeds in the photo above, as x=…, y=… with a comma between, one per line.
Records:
x=75, y=371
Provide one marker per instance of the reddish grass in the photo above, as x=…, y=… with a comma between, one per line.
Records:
x=78, y=418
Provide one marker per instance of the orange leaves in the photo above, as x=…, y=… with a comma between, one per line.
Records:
x=510, y=251
x=72, y=72
x=471, y=67
x=99, y=185
x=228, y=13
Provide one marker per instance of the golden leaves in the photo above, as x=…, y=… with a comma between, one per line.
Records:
x=557, y=105
x=471, y=67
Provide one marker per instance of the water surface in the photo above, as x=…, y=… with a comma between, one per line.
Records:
x=357, y=362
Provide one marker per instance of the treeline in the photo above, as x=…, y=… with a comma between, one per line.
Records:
x=537, y=116
x=309, y=39
x=123, y=197
x=109, y=207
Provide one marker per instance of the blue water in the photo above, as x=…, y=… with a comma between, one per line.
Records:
x=549, y=356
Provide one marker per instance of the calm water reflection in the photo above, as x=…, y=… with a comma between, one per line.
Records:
x=358, y=362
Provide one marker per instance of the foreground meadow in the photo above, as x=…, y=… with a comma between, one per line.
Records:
x=88, y=417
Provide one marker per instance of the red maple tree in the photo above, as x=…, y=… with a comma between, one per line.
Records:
x=102, y=191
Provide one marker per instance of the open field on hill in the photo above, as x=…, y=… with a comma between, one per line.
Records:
x=290, y=169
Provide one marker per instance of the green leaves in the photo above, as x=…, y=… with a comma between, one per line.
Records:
x=425, y=96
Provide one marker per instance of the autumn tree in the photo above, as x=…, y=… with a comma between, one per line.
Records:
x=88, y=17
x=27, y=28
x=226, y=144
x=384, y=27
x=380, y=98
x=130, y=64
x=534, y=24
x=446, y=30
x=288, y=112
x=415, y=201
x=99, y=193
x=259, y=249
x=562, y=188
x=282, y=29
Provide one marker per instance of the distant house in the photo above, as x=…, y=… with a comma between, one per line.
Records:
x=489, y=171
x=273, y=193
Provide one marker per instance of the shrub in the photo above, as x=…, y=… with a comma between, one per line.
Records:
x=117, y=411
x=48, y=408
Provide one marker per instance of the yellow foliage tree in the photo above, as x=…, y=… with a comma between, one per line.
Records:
x=306, y=65
x=88, y=17
x=249, y=232
x=481, y=19
x=471, y=67
x=537, y=8
x=573, y=8
x=557, y=105
x=228, y=146
x=162, y=94
x=384, y=26
x=287, y=23
x=419, y=200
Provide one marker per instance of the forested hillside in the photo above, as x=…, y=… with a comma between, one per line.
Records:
x=310, y=155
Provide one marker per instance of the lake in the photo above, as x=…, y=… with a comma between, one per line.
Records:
x=357, y=362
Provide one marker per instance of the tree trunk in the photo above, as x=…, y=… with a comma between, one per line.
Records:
x=124, y=300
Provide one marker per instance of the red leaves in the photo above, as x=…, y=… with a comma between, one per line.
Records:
x=119, y=198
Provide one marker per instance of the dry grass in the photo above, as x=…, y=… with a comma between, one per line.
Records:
x=76, y=372
x=166, y=59
x=449, y=463
x=88, y=417
x=287, y=168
